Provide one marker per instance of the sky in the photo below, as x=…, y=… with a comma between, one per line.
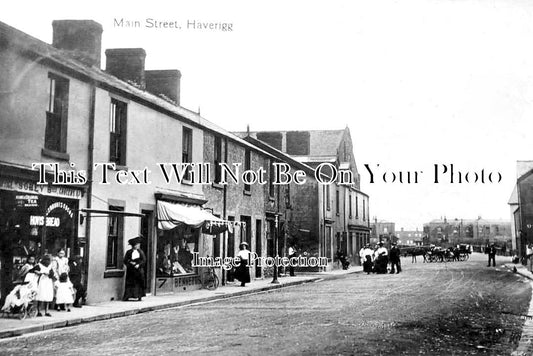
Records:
x=418, y=83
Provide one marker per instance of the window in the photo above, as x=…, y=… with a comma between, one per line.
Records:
x=114, y=237
x=247, y=166
x=117, y=132
x=337, y=202
x=364, y=211
x=350, y=205
x=218, y=158
x=186, y=150
x=356, y=207
x=55, y=137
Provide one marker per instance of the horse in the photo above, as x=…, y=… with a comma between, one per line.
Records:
x=417, y=251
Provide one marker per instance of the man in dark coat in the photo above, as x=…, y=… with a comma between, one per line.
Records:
x=75, y=275
x=394, y=257
x=492, y=255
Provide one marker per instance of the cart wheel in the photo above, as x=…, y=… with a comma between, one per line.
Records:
x=32, y=311
x=23, y=314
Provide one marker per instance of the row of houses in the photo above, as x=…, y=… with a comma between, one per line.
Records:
x=479, y=232
x=105, y=142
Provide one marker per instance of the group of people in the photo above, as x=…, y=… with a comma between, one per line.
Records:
x=376, y=260
x=56, y=280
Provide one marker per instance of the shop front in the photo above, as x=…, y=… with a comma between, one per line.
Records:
x=183, y=230
x=35, y=220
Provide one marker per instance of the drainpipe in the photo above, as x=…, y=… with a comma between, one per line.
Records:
x=224, y=212
x=90, y=161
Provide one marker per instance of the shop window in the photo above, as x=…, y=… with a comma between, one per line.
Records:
x=247, y=166
x=56, y=115
x=175, y=250
x=117, y=132
x=218, y=158
x=115, y=234
x=186, y=150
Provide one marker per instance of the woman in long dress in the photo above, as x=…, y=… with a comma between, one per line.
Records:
x=134, y=260
x=243, y=273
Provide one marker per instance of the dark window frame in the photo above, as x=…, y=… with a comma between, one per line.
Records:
x=247, y=166
x=115, y=238
x=350, y=205
x=118, y=123
x=186, y=150
x=217, y=158
x=55, y=137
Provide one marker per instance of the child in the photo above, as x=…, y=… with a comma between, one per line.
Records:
x=45, y=288
x=367, y=265
x=64, y=291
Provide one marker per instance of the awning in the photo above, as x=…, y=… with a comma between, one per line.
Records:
x=170, y=216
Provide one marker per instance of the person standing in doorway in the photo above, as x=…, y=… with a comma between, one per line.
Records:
x=134, y=260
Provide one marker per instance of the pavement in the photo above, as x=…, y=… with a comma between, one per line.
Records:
x=525, y=346
x=11, y=326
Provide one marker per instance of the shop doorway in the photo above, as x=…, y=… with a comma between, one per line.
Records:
x=147, y=226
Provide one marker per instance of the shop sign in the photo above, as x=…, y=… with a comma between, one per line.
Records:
x=37, y=220
x=27, y=201
x=59, y=205
x=27, y=186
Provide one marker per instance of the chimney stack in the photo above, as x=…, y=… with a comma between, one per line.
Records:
x=164, y=82
x=82, y=38
x=127, y=64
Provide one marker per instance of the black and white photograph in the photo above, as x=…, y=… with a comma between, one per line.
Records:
x=266, y=177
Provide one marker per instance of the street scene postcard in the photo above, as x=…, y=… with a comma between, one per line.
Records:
x=266, y=177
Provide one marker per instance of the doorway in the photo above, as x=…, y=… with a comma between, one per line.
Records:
x=147, y=223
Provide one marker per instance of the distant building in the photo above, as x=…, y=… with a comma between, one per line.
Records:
x=382, y=230
x=472, y=231
x=411, y=237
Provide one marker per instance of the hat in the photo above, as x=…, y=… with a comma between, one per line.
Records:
x=243, y=243
x=135, y=240
x=380, y=243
